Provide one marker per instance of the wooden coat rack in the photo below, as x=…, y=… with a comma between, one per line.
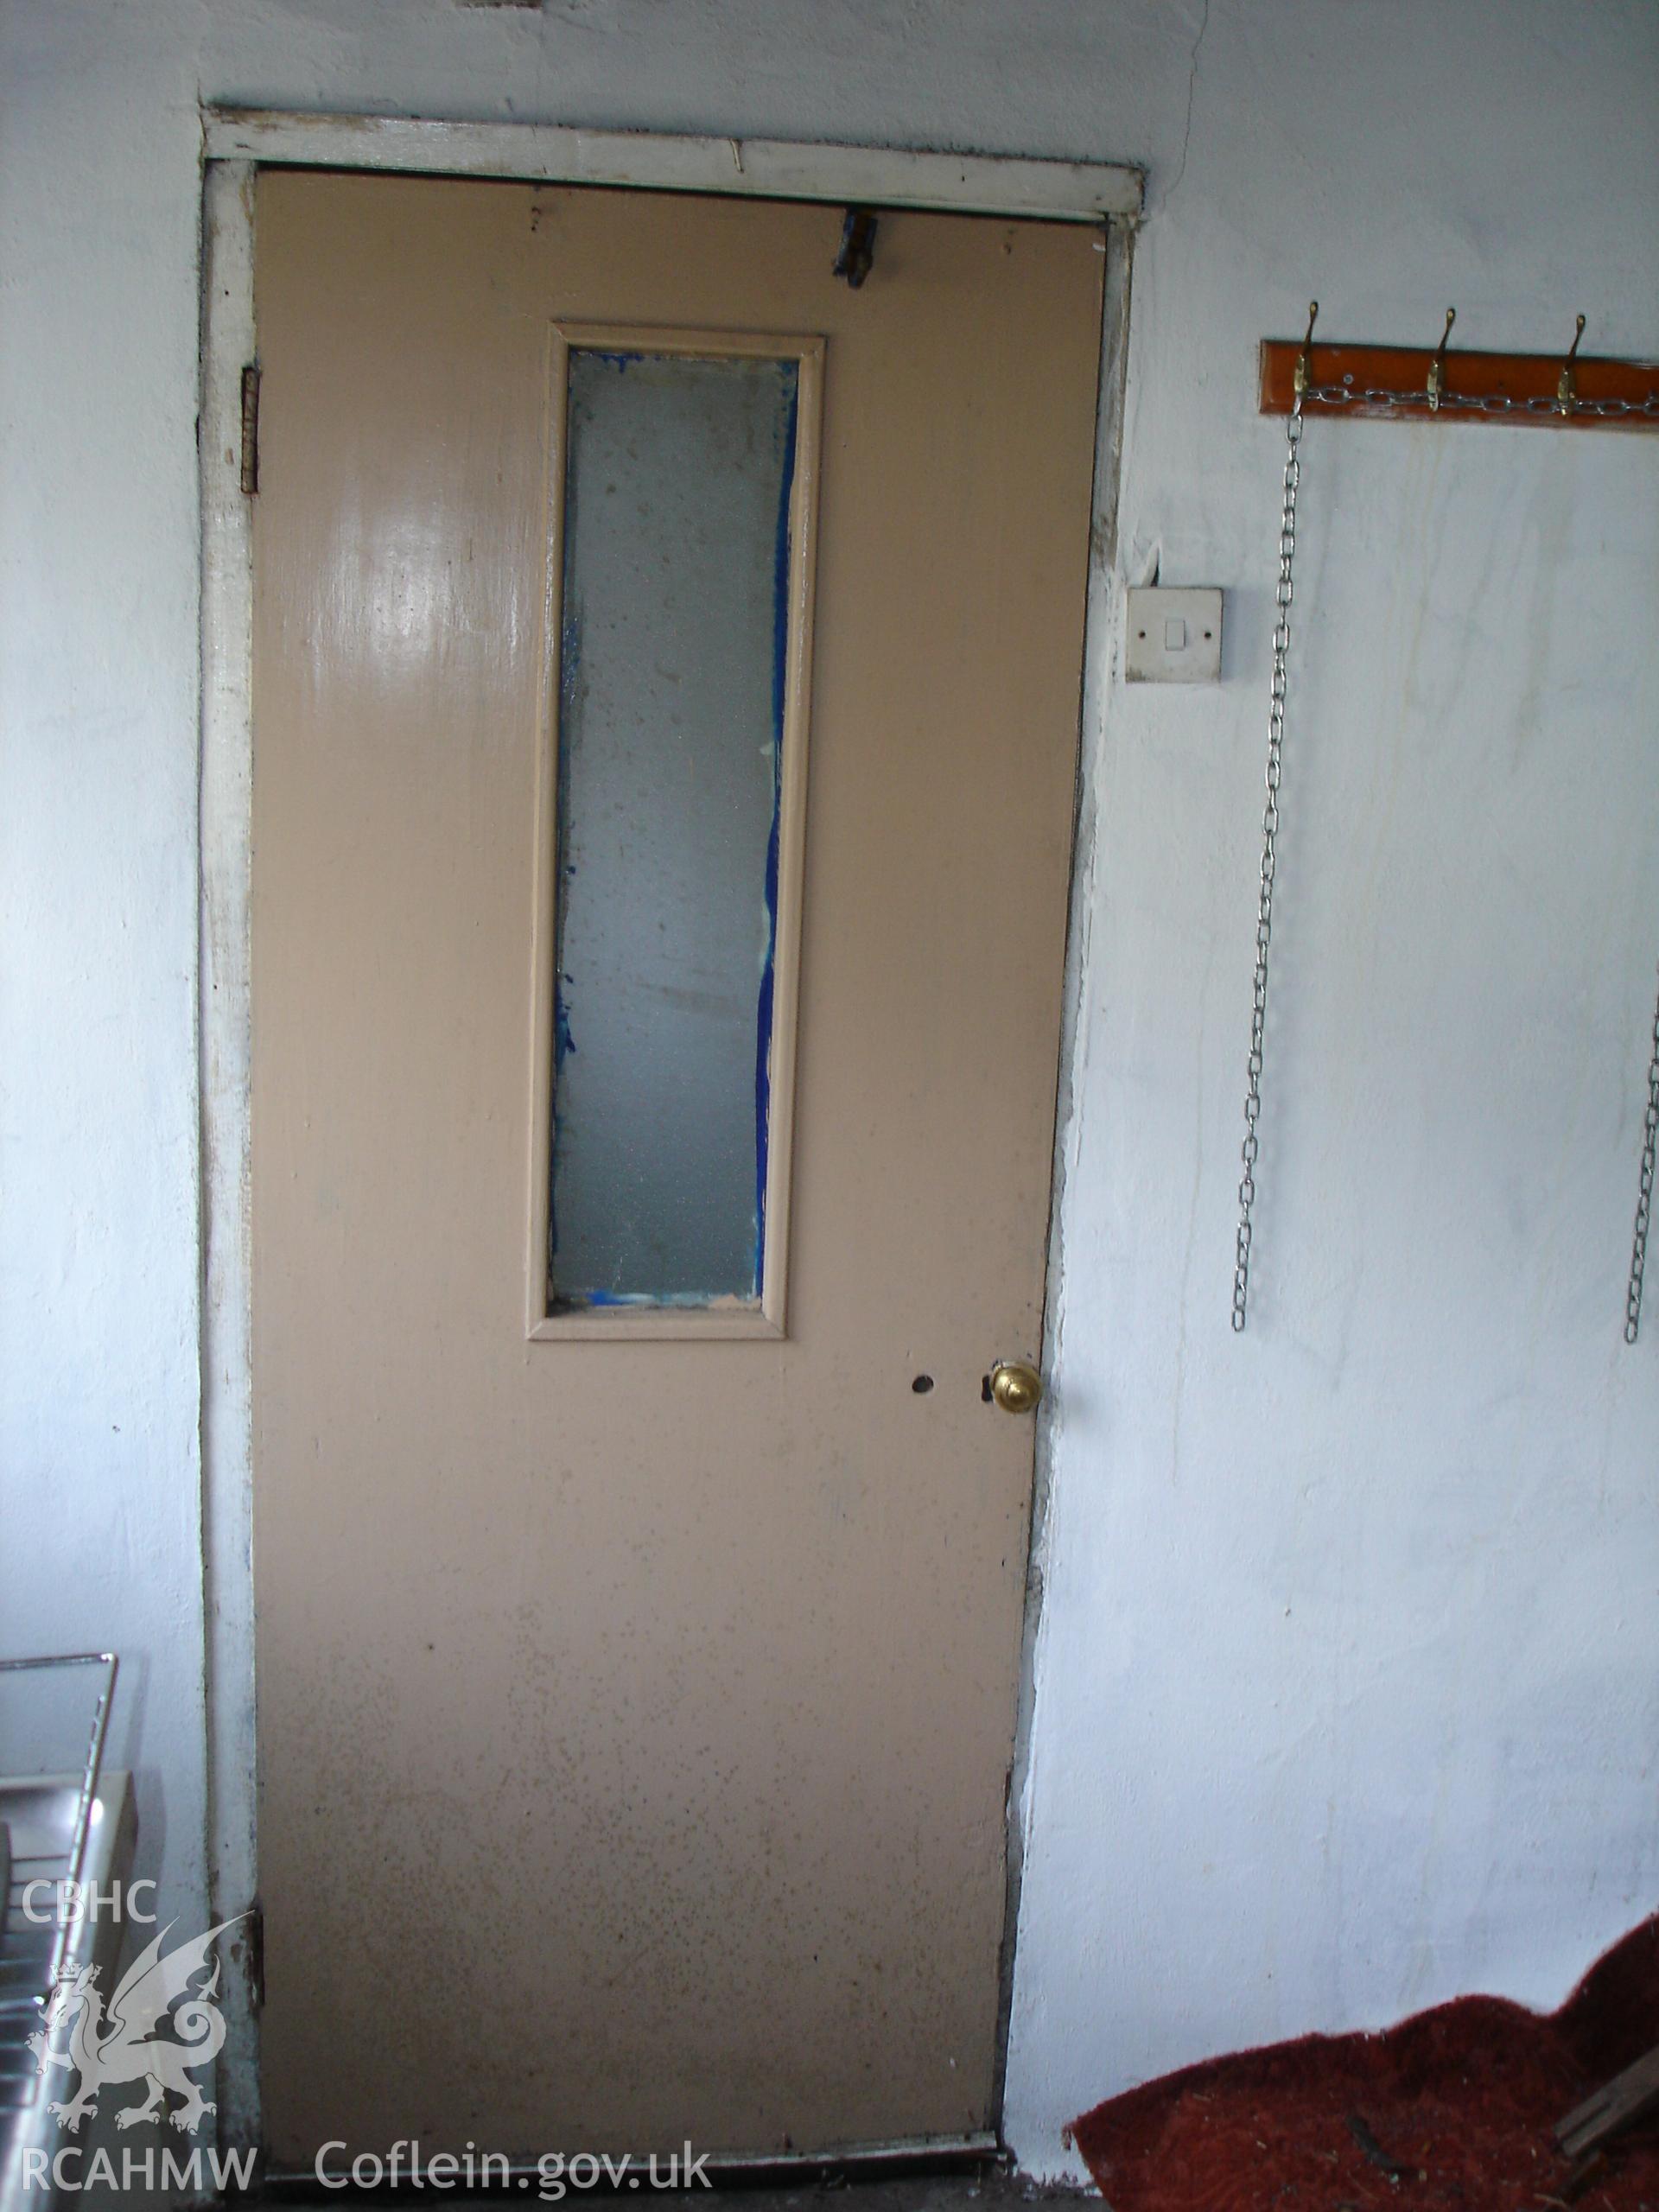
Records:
x=1394, y=384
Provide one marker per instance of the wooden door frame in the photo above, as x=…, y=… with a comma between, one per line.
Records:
x=236, y=142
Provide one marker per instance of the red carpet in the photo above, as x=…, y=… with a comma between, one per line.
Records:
x=1459, y=2103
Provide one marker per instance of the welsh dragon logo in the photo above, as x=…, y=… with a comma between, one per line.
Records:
x=109, y=2048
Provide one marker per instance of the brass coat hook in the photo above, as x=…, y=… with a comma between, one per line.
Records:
x=1305, y=359
x=1566, y=391
x=1437, y=366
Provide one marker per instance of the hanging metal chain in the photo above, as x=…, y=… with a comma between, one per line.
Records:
x=1644, y=1194
x=1565, y=401
x=1269, y=861
x=1500, y=403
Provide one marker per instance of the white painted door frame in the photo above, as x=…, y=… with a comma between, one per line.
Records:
x=235, y=143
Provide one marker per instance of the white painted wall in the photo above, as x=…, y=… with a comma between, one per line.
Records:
x=1347, y=1674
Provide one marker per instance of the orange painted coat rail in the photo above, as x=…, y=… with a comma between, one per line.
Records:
x=1390, y=383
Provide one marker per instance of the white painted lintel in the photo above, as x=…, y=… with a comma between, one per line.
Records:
x=981, y=184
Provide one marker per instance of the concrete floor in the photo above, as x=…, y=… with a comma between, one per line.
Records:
x=990, y=2191
x=985, y=2190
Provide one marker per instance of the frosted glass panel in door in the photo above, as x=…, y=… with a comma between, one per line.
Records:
x=671, y=688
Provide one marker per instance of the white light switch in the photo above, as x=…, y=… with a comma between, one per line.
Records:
x=1174, y=636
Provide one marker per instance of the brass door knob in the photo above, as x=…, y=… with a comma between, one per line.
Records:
x=1015, y=1387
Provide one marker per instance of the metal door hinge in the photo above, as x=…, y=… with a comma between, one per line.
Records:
x=251, y=429
x=248, y=1951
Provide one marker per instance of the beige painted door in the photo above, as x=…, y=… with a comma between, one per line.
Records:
x=635, y=1715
